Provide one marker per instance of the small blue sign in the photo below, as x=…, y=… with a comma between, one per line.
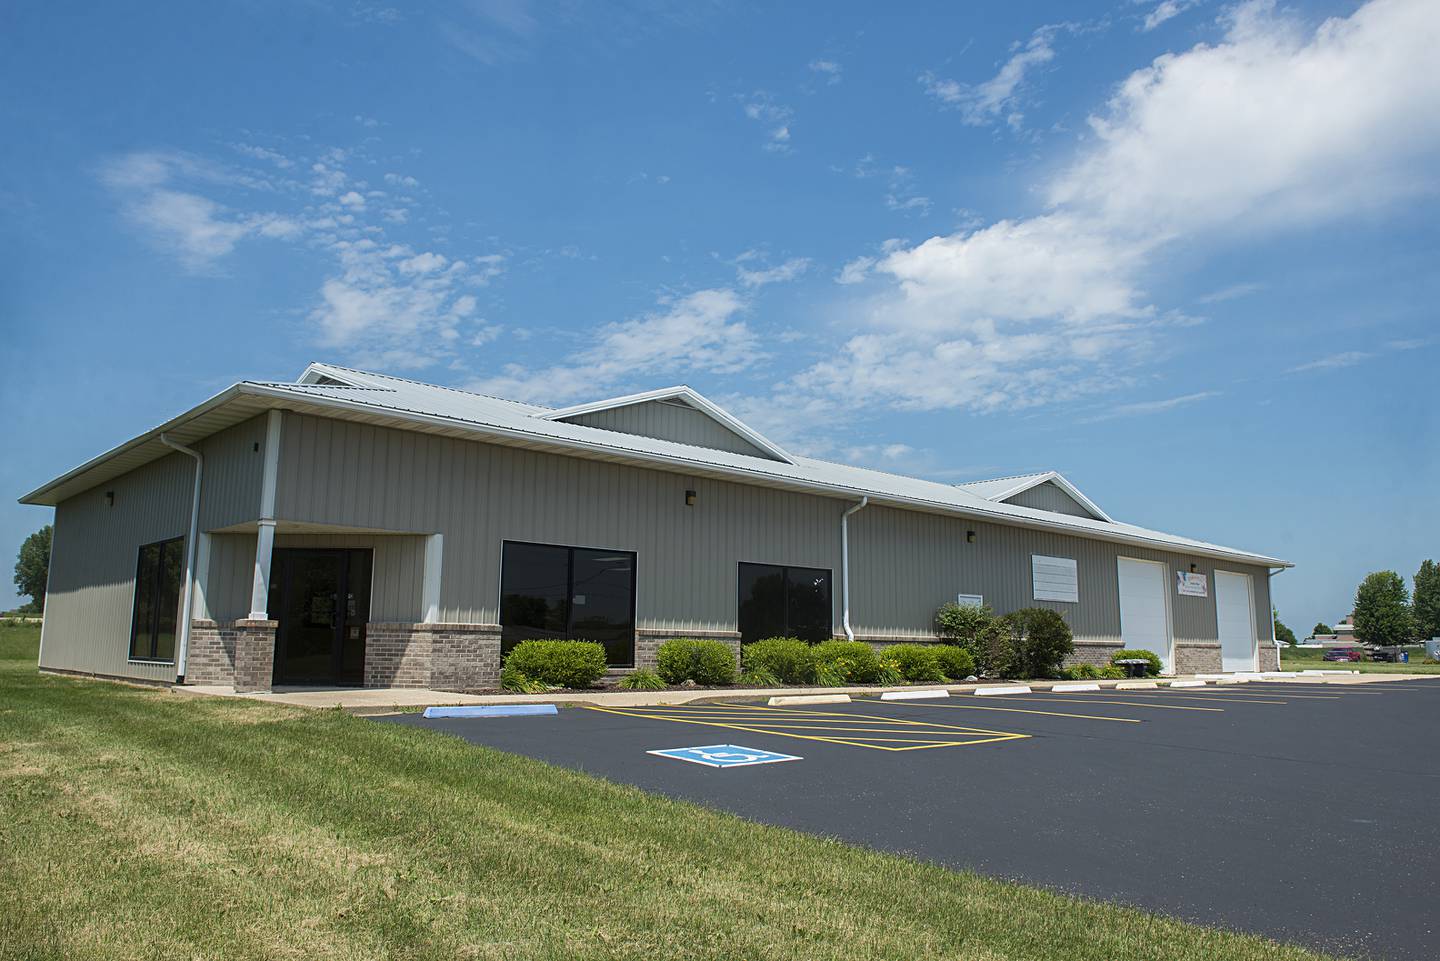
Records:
x=725, y=755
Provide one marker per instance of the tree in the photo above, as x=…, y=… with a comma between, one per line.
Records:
x=1322, y=628
x=1283, y=634
x=32, y=567
x=1382, y=610
x=1427, y=599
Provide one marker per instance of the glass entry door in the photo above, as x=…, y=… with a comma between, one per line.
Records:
x=322, y=600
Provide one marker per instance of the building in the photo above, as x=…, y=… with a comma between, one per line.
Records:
x=358, y=528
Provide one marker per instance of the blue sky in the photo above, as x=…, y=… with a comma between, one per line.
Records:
x=1184, y=252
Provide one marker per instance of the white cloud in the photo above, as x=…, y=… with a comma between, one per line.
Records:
x=1152, y=406
x=1275, y=128
x=1165, y=10
x=1338, y=361
x=782, y=273
x=983, y=103
x=702, y=331
x=855, y=271
x=1232, y=292
x=762, y=108
x=828, y=69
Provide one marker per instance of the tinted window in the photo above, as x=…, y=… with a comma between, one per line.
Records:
x=157, y=599
x=778, y=601
x=575, y=593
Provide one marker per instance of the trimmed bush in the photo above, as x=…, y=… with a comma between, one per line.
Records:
x=956, y=663
x=1092, y=672
x=642, y=679
x=788, y=660
x=1042, y=640
x=915, y=662
x=1152, y=671
x=577, y=664
x=986, y=637
x=846, y=662
x=517, y=683
x=682, y=659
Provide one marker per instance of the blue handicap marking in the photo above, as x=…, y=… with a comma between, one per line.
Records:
x=725, y=755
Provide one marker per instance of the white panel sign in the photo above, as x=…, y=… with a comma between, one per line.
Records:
x=1192, y=585
x=970, y=600
x=1055, y=578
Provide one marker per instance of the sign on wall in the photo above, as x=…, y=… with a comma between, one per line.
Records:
x=1192, y=585
x=970, y=600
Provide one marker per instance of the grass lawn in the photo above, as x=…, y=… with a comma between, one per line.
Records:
x=135, y=823
x=1293, y=659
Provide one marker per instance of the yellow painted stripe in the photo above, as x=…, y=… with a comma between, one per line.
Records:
x=1080, y=695
x=1012, y=710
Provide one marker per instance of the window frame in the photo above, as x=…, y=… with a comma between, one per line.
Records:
x=570, y=550
x=154, y=630
x=785, y=570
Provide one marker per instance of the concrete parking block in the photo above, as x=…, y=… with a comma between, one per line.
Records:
x=810, y=699
x=1137, y=686
x=1002, y=689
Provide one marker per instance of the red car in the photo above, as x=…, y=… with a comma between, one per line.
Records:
x=1343, y=654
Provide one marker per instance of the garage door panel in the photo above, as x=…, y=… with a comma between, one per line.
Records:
x=1235, y=620
x=1144, y=614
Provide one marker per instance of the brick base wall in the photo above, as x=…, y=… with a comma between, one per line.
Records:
x=254, y=655
x=1093, y=652
x=648, y=641
x=211, y=659
x=1269, y=657
x=1197, y=659
x=443, y=657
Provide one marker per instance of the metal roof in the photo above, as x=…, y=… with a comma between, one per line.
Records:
x=1004, y=488
x=387, y=400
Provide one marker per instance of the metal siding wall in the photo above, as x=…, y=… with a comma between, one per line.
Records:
x=684, y=425
x=233, y=474
x=478, y=495
x=1048, y=497
x=905, y=564
x=92, y=567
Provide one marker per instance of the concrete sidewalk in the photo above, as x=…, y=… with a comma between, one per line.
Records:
x=387, y=699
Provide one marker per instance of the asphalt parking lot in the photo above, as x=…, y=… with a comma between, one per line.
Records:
x=1307, y=813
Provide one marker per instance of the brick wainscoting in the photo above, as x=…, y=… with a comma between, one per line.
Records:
x=1093, y=652
x=212, y=653
x=443, y=657
x=1197, y=658
x=1269, y=657
x=254, y=655
x=648, y=641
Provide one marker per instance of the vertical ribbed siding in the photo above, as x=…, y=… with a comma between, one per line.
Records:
x=1049, y=497
x=905, y=564
x=92, y=565
x=669, y=421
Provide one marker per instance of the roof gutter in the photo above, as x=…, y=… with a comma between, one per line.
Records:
x=845, y=565
x=183, y=654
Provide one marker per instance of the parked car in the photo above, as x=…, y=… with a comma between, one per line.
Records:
x=1395, y=654
x=1343, y=654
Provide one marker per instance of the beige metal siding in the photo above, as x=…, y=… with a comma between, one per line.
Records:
x=92, y=567
x=905, y=564
x=479, y=495
x=1049, y=497
x=670, y=421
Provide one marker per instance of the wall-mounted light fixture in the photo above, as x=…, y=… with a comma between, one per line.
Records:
x=1193, y=568
x=969, y=537
x=109, y=498
x=689, y=498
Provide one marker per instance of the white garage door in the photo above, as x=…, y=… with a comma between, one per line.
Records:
x=1235, y=617
x=1144, y=619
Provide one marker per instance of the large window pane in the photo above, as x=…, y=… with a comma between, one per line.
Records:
x=602, y=601
x=158, y=573
x=574, y=593
x=780, y=601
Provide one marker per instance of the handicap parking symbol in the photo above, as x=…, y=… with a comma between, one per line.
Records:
x=725, y=755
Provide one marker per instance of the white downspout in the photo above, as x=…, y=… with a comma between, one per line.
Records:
x=1270, y=590
x=845, y=565
x=184, y=652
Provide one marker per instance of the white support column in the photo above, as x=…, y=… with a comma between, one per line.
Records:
x=430, y=588
x=265, y=529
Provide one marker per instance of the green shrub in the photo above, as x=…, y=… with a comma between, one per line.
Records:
x=576, y=664
x=759, y=677
x=956, y=662
x=788, y=660
x=642, y=679
x=1041, y=639
x=914, y=662
x=518, y=683
x=987, y=638
x=846, y=662
x=1152, y=671
x=682, y=659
